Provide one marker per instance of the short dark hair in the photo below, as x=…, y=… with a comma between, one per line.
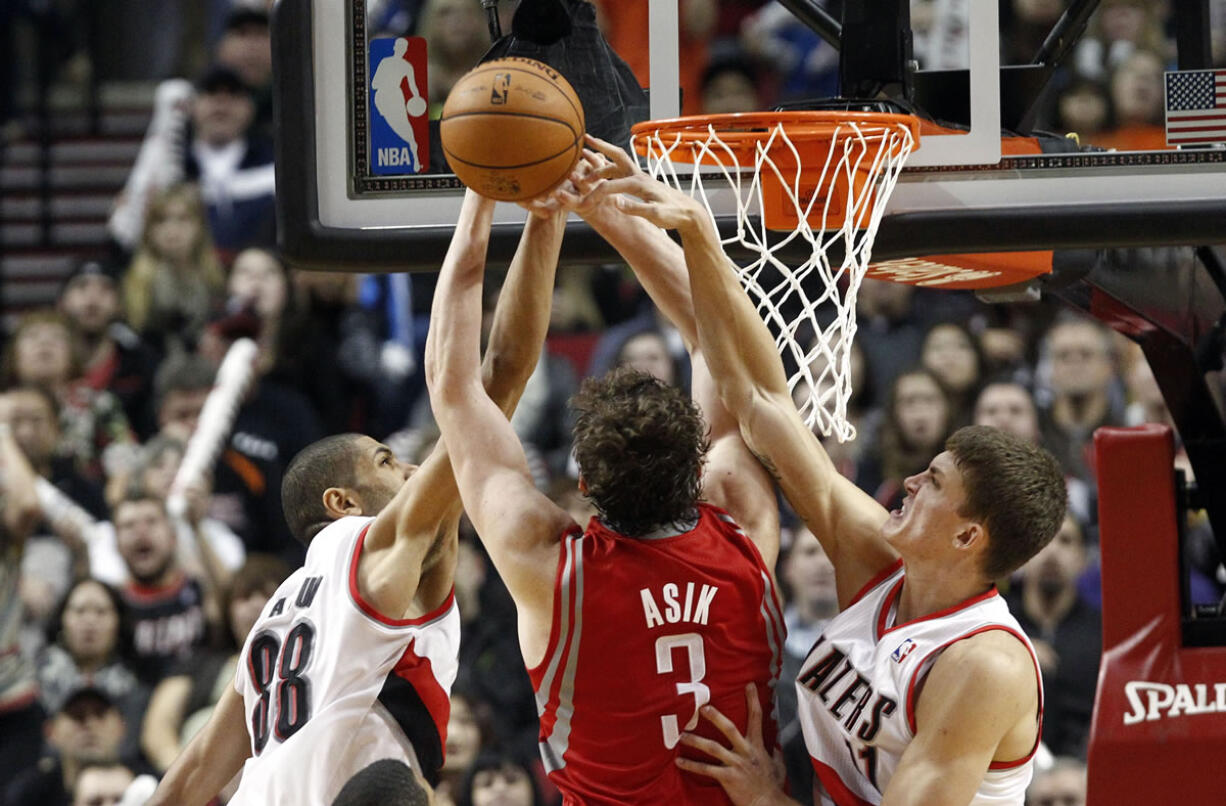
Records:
x=497, y=760
x=329, y=462
x=184, y=372
x=387, y=782
x=1015, y=489
x=640, y=445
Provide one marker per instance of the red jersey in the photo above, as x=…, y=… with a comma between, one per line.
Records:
x=645, y=632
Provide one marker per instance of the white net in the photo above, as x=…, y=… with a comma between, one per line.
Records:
x=833, y=198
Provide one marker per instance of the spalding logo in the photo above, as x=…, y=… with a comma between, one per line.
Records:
x=1151, y=701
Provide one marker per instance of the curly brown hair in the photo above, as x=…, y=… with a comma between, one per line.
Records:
x=640, y=445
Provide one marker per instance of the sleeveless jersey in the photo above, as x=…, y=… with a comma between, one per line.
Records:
x=330, y=685
x=168, y=624
x=646, y=631
x=858, y=686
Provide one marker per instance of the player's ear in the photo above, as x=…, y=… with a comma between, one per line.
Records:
x=971, y=535
x=582, y=484
x=340, y=501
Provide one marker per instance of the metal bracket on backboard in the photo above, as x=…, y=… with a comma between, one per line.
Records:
x=981, y=145
x=664, y=36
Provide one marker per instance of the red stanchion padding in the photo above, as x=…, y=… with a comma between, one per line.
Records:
x=1159, y=729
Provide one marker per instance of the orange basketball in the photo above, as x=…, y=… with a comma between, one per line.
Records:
x=512, y=129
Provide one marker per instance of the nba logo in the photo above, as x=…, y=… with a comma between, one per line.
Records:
x=399, y=124
x=904, y=649
x=498, y=93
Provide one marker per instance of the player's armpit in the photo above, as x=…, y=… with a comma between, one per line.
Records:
x=845, y=519
x=213, y=757
x=978, y=703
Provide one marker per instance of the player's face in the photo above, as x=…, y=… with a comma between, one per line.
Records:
x=91, y=623
x=929, y=520
x=380, y=476
x=145, y=538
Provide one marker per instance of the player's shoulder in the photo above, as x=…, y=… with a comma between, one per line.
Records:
x=997, y=658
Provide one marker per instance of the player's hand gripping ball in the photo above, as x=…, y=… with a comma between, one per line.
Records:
x=512, y=129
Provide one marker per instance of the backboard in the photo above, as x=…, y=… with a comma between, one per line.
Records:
x=352, y=196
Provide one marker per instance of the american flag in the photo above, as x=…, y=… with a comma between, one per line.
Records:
x=1196, y=106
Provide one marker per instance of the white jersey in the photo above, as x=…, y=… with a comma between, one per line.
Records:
x=329, y=685
x=857, y=688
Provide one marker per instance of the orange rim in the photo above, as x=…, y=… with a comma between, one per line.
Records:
x=741, y=131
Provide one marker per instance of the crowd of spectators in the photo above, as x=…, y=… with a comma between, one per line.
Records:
x=128, y=623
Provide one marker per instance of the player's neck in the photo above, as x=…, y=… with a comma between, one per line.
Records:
x=932, y=590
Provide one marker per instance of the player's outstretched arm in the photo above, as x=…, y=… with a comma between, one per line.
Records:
x=733, y=477
x=751, y=381
x=213, y=757
x=980, y=698
x=519, y=526
x=430, y=502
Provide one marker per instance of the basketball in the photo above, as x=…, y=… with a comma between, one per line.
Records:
x=512, y=129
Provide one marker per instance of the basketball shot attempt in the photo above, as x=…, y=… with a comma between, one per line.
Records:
x=924, y=689
x=663, y=603
x=391, y=77
x=352, y=659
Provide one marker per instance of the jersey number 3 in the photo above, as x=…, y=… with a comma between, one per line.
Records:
x=691, y=642
x=269, y=659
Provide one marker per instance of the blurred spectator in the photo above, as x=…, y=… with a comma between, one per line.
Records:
x=21, y=716
x=112, y=357
x=183, y=701
x=807, y=577
x=952, y=354
x=806, y=66
x=170, y=612
x=90, y=645
x=294, y=350
x=465, y=738
x=246, y=48
x=1138, y=91
x=1067, y=635
x=1118, y=29
x=1027, y=22
x=611, y=343
x=181, y=386
x=730, y=84
x=92, y=423
x=1084, y=108
x=101, y=784
x=498, y=779
x=87, y=729
x=232, y=162
x=648, y=352
x=914, y=426
x=624, y=25
x=456, y=36
x=175, y=277
x=34, y=414
x=889, y=331
x=273, y=424
x=1081, y=384
x=1010, y=407
x=1061, y=784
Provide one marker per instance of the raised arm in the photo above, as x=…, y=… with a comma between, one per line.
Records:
x=749, y=375
x=21, y=507
x=428, y=507
x=519, y=526
x=213, y=757
x=733, y=478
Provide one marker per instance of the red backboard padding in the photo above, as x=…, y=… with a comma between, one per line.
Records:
x=1159, y=730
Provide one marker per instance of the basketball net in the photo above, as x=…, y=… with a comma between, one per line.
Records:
x=823, y=180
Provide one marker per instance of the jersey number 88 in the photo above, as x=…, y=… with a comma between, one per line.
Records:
x=269, y=657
